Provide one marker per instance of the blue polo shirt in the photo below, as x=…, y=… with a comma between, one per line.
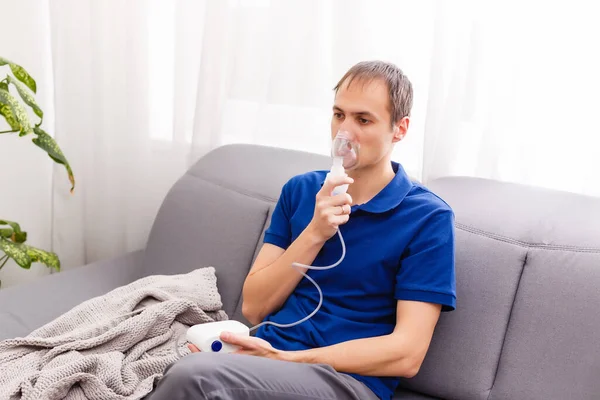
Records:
x=399, y=246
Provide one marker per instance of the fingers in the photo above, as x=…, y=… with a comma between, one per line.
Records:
x=334, y=201
x=344, y=209
x=335, y=205
x=332, y=211
x=337, y=220
x=339, y=200
x=336, y=216
x=237, y=340
x=230, y=338
x=334, y=181
x=193, y=348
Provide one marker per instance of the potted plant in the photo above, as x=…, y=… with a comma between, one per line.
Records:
x=17, y=91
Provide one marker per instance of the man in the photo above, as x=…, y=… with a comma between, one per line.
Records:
x=381, y=304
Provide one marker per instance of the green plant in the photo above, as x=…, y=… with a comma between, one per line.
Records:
x=12, y=238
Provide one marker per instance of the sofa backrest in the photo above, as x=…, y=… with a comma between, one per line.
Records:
x=216, y=214
x=527, y=261
x=527, y=324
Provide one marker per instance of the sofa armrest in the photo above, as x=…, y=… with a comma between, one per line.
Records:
x=24, y=308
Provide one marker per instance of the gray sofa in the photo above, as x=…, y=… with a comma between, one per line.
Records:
x=527, y=324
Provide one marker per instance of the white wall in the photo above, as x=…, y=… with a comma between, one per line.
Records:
x=26, y=176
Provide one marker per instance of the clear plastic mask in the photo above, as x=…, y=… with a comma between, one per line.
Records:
x=345, y=147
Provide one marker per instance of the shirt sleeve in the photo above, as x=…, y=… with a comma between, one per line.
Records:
x=279, y=232
x=427, y=271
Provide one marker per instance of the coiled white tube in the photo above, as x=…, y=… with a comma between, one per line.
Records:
x=297, y=266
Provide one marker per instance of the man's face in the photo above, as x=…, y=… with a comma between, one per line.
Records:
x=363, y=109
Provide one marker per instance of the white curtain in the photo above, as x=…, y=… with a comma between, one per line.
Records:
x=138, y=90
x=514, y=94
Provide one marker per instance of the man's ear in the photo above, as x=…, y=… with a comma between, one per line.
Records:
x=400, y=129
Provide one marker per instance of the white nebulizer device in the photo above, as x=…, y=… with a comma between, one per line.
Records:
x=206, y=336
x=344, y=152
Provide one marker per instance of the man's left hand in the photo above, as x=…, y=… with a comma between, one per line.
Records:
x=248, y=345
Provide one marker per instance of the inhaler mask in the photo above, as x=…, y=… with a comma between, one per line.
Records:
x=344, y=147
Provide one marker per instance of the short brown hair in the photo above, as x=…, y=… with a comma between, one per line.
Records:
x=399, y=87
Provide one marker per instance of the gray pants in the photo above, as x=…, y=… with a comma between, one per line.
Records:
x=232, y=376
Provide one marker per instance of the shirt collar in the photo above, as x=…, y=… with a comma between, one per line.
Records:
x=391, y=195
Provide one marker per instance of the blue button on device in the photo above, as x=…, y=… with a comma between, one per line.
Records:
x=216, y=346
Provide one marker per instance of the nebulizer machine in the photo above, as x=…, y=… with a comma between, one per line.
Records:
x=206, y=336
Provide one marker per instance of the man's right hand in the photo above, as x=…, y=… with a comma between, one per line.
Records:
x=331, y=211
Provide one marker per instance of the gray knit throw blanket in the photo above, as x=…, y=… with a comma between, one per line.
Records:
x=115, y=346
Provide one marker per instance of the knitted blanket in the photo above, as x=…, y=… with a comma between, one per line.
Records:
x=115, y=346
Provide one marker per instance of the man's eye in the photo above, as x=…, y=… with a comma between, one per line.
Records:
x=338, y=115
x=363, y=121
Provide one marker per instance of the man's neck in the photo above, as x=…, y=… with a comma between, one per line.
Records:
x=370, y=181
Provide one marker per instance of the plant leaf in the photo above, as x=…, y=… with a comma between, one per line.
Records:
x=20, y=74
x=16, y=227
x=17, y=236
x=47, y=258
x=24, y=255
x=8, y=115
x=48, y=144
x=18, y=111
x=23, y=76
x=6, y=232
x=6, y=111
x=27, y=97
x=16, y=251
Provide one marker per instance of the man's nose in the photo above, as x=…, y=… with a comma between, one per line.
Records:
x=351, y=127
x=346, y=132
x=346, y=125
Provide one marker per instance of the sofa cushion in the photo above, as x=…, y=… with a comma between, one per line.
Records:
x=463, y=355
x=552, y=348
x=404, y=394
x=524, y=215
x=24, y=308
x=216, y=213
x=204, y=224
